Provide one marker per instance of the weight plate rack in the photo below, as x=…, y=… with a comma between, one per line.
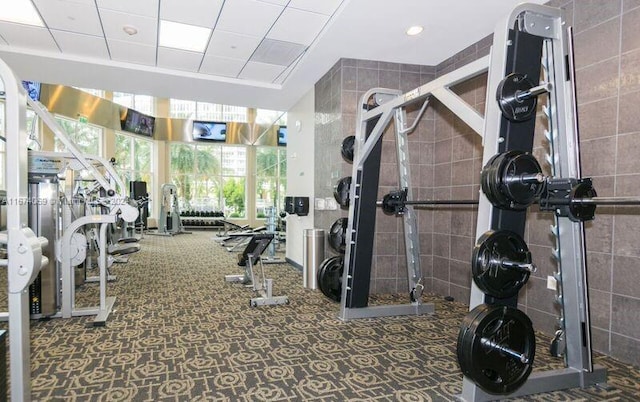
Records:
x=530, y=43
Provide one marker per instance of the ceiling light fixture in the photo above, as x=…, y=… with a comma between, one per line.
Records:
x=130, y=30
x=414, y=30
x=21, y=12
x=183, y=36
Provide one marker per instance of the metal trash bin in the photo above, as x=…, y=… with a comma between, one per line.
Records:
x=313, y=255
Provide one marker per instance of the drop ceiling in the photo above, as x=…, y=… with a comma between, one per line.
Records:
x=257, y=53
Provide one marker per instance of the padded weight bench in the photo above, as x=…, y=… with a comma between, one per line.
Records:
x=235, y=241
x=230, y=228
x=249, y=258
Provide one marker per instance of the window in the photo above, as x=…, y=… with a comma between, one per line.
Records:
x=87, y=137
x=271, y=179
x=184, y=109
x=264, y=116
x=210, y=178
x=141, y=103
x=134, y=160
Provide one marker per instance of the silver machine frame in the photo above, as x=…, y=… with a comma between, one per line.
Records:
x=570, y=253
x=24, y=249
x=546, y=23
x=370, y=127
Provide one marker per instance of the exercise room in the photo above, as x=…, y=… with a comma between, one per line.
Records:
x=337, y=200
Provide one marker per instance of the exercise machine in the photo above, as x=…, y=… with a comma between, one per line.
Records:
x=376, y=109
x=271, y=225
x=251, y=258
x=169, y=222
x=530, y=43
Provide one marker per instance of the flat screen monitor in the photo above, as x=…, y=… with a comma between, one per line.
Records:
x=33, y=89
x=209, y=131
x=138, y=123
x=282, y=136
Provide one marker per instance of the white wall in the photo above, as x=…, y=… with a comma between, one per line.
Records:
x=300, y=170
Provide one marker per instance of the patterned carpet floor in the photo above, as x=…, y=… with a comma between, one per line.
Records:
x=180, y=333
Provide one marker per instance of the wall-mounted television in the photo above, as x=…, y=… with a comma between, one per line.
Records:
x=33, y=89
x=138, y=123
x=209, y=131
x=282, y=136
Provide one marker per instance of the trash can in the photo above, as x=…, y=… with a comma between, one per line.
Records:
x=313, y=255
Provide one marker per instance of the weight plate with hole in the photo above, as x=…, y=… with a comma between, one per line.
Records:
x=582, y=212
x=512, y=107
x=393, y=203
x=511, y=180
x=347, y=148
x=338, y=235
x=496, y=348
x=330, y=277
x=342, y=190
x=488, y=263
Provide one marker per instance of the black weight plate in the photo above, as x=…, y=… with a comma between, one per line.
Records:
x=483, y=344
x=320, y=276
x=330, y=278
x=515, y=164
x=338, y=235
x=582, y=212
x=342, y=190
x=347, y=148
x=489, y=181
x=512, y=108
x=465, y=358
x=491, y=249
x=320, y=269
x=393, y=203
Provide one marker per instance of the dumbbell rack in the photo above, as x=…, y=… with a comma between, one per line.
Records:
x=376, y=109
x=532, y=40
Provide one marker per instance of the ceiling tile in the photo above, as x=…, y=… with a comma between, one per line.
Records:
x=179, y=59
x=232, y=45
x=70, y=16
x=148, y=8
x=113, y=21
x=298, y=26
x=326, y=7
x=278, y=2
x=235, y=18
x=83, y=2
x=261, y=71
x=132, y=52
x=27, y=36
x=202, y=13
x=278, y=52
x=221, y=66
x=81, y=45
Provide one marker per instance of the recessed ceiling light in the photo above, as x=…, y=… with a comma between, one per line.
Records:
x=414, y=30
x=21, y=12
x=130, y=30
x=183, y=36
